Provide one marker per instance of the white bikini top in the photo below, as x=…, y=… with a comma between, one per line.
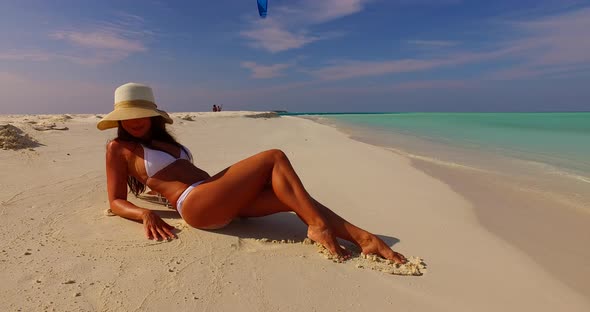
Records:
x=156, y=160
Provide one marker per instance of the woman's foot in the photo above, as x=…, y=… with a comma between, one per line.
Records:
x=373, y=245
x=324, y=236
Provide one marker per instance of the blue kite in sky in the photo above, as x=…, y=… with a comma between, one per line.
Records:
x=262, y=7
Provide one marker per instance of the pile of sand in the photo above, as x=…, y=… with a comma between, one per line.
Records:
x=14, y=138
x=62, y=118
x=187, y=118
x=49, y=126
x=263, y=115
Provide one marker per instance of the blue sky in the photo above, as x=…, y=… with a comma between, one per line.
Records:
x=307, y=55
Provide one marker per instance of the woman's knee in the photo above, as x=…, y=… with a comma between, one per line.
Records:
x=277, y=155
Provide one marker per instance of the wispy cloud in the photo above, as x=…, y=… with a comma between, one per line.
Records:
x=26, y=56
x=353, y=69
x=430, y=84
x=547, y=45
x=346, y=69
x=102, y=42
x=105, y=41
x=432, y=43
x=555, y=40
x=100, y=39
x=428, y=2
x=288, y=27
x=527, y=71
x=389, y=88
x=327, y=10
x=274, y=37
x=265, y=71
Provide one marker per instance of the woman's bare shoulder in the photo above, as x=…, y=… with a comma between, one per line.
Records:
x=120, y=147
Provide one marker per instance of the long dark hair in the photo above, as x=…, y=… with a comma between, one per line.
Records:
x=157, y=132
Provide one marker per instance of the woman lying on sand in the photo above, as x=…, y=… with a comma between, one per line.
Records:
x=145, y=154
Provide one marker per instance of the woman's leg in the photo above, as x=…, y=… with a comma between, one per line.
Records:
x=223, y=196
x=268, y=203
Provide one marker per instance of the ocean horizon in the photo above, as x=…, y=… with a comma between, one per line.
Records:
x=288, y=113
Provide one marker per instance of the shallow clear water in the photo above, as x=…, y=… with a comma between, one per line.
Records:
x=559, y=140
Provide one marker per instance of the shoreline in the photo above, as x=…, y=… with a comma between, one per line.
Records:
x=546, y=230
x=511, y=210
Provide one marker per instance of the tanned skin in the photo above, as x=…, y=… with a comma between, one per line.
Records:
x=260, y=185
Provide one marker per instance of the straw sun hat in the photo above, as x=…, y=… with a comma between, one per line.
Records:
x=132, y=100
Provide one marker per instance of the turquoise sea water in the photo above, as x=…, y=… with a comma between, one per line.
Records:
x=558, y=140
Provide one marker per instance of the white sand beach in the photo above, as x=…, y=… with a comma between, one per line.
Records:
x=62, y=251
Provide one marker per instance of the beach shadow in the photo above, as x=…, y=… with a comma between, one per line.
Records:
x=389, y=240
x=279, y=226
x=167, y=214
x=164, y=214
x=154, y=199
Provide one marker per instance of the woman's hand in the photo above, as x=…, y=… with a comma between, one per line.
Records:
x=155, y=227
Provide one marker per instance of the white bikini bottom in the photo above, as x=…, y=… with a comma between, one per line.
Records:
x=183, y=197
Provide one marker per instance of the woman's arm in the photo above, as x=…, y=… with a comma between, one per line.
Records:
x=117, y=173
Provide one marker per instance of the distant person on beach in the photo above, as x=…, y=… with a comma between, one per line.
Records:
x=215, y=108
x=144, y=153
x=219, y=107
